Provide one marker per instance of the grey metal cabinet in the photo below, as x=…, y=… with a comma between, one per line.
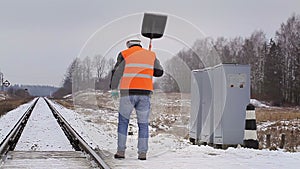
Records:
x=220, y=96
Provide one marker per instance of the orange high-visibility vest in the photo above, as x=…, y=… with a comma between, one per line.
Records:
x=138, y=71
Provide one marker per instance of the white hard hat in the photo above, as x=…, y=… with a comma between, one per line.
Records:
x=132, y=42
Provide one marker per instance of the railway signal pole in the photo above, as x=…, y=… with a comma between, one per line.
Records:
x=1, y=80
x=5, y=83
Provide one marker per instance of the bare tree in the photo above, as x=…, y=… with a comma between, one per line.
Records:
x=235, y=48
x=100, y=64
x=288, y=39
x=103, y=69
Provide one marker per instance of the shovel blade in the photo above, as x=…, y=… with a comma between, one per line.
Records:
x=153, y=25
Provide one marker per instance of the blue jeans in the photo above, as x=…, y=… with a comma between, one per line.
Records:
x=141, y=103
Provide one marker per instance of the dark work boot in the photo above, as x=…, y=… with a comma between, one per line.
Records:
x=120, y=155
x=142, y=156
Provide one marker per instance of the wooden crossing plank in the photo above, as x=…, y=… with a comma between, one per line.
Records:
x=46, y=160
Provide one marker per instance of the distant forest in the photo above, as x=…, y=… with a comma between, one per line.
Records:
x=32, y=90
x=275, y=65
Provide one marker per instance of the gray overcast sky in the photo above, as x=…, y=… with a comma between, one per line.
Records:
x=40, y=38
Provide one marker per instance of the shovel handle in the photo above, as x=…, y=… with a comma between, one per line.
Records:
x=150, y=44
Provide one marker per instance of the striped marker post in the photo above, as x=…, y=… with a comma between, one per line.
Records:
x=250, y=137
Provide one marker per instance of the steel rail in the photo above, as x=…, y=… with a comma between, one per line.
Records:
x=75, y=139
x=9, y=143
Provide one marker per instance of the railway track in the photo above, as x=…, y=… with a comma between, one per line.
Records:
x=69, y=152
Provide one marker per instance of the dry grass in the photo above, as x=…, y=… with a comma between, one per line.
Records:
x=10, y=104
x=276, y=122
x=277, y=114
x=66, y=103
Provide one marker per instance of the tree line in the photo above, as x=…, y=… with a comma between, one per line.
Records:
x=275, y=62
x=86, y=73
x=275, y=65
x=18, y=90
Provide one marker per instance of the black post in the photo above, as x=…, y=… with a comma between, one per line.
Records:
x=282, y=141
x=268, y=140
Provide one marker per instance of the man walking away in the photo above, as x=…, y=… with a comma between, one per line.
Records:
x=133, y=73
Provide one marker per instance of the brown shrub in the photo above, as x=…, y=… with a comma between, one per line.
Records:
x=10, y=104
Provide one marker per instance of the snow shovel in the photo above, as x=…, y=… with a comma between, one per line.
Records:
x=153, y=26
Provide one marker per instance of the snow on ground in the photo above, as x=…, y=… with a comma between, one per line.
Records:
x=2, y=96
x=264, y=125
x=284, y=125
x=257, y=103
x=194, y=157
x=98, y=128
